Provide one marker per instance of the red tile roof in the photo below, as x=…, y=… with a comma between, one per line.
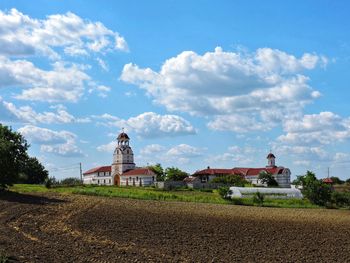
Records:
x=98, y=169
x=240, y=171
x=327, y=180
x=139, y=171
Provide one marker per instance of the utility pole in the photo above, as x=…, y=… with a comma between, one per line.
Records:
x=328, y=172
x=81, y=172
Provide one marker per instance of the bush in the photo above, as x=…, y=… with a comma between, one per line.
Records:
x=341, y=199
x=51, y=181
x=71, y=181
x=224, y=191
x=267, y=178
x=258, y=198
x=231, y=179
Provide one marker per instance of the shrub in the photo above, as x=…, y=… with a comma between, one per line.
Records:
x=224, y=191
x=71, y=181
x=258, y=198
x=51, y=181
x=267, y=178
x=341, y=199
x=231, y=179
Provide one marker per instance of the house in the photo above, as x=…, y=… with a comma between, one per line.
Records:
x=138, y=177
x=280, y=173
x=123, y=171
x=100, y=175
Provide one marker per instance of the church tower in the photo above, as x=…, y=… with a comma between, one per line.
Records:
x=271, y=160
x=123, y=157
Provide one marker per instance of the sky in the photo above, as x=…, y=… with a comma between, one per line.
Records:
x=193, y=83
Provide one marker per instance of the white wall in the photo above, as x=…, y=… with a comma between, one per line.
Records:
x=136, y=180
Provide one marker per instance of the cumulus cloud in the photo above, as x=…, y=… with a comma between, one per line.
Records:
x=316, y=129
x=23, y=35
x=62, y=83
x=223, y=83
x=109, y=147
x=151, y=125
x=178, y=154
x=62, y=143
x=26, y=114
x=234, y=156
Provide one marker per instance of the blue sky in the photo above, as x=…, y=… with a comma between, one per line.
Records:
x=194, y=84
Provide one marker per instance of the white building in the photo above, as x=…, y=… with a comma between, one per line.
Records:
x=280, y=173
x=122, y=172
x=99, y=175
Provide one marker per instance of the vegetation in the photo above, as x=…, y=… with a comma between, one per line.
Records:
x=258, y=198
x=315, y=190
x=3, y=257
x=159, y=171
x=15, y=164
x=13, y=154
x=231, y=179
x=267, y=178
x=33, y=172
x=175, y=174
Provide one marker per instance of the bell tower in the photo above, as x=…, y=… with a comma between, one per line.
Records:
x=123, y=157
x=271, y=160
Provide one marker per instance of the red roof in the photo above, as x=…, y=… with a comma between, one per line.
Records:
x=240, y=171
x=327, y=180
x=139, y=171
x=210, y=171
x=98, y=169
x=256, y=171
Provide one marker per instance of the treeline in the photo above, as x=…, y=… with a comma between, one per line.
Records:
x=16, y=166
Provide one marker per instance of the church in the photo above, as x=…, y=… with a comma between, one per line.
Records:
x=123, y=171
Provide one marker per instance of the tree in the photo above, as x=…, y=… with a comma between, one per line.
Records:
x=71, y=181
x=231, y=179
x=315, y=190
x=337, y=180
x=34, y=172
x=267, y=178
x=175, y=174
x=13, y=154
x=158, y=170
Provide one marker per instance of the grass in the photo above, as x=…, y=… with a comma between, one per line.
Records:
x=148, y=193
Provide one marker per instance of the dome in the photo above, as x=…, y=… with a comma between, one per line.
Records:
x=270, y=156
x=123, y=136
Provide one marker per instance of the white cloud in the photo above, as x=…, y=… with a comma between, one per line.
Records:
x=26, y=114
x=102, y=64
x=109, y=147
x=223, y=83
x=176, y=155
x=151, y=125
x=152, y=149
x=61, y=143
x=62, y=83
x=316, y=129
x=234, y=156
x=23, y=35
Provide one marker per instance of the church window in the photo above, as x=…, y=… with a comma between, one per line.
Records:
x=137, y=178
x=152, y=178
x=104, y=181
x=98, y=181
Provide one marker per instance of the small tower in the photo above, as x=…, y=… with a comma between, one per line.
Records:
x=271, y=160
x=123, y=157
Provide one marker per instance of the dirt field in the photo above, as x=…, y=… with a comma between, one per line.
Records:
x=73, y=228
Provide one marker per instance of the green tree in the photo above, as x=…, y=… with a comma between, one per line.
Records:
x=159, y=171
x=13, y=154
x=267, y=178
x=175, y=174
x=33, y=171
x=337, y=180
x=315, y=190
x=71, y=181
x=231, y=179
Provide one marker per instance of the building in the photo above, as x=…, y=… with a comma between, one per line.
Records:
x=280, y=173
x=123, y=171
x=99, y=175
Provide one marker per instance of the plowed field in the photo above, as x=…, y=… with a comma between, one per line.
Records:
x=72, y=228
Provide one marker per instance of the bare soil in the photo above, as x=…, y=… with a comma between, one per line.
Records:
x=72, y=228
